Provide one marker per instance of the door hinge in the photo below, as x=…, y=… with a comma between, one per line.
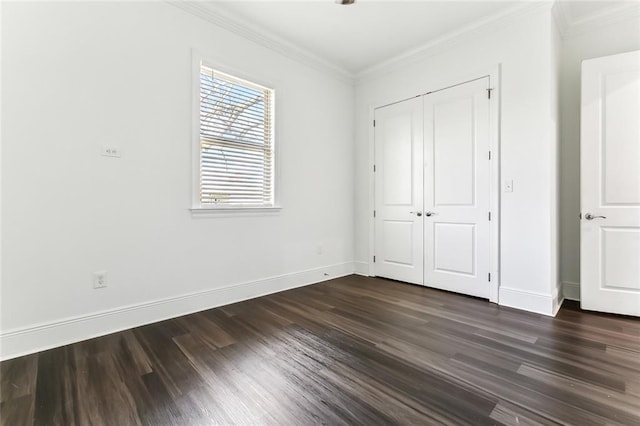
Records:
x=489, y=155
x=374, y=168
x=489, y=93
x=374, y=213
x=374, y=123
x=489, y=216
x=489, y=276
x=374, y=259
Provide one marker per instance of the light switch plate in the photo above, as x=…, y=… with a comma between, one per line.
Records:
x=508, y=185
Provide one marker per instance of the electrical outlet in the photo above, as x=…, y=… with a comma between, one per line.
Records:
x=111, y=151
x=100, y=279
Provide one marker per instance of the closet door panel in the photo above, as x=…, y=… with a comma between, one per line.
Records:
x=456, y=189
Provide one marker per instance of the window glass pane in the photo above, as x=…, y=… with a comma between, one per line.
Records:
x=236, y=146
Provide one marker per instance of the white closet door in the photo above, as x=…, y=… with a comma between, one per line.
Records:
x=456, y=182
x=610, y=184
x=398, y=191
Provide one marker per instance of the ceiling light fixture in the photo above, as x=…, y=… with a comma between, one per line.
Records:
x=345, y=2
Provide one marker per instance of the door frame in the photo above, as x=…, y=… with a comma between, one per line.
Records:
x=494, y=74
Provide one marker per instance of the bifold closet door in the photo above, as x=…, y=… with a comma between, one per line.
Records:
x=456, y=189
x=399, y=191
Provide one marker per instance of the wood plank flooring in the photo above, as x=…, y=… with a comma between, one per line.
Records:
x=353, y=350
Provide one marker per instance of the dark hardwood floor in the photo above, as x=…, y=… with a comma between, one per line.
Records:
x=352, y=350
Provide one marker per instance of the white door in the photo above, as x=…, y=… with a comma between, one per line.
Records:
x=456, y=181
x=610, y=184
x=398, y=191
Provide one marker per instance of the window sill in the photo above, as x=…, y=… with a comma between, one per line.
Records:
x=233, y=211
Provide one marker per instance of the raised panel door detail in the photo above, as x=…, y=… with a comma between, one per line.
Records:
x=454, y=152
x=621, y=258
x=455, y=248
x=397, y=167
x=398, y=237
x=621, y=138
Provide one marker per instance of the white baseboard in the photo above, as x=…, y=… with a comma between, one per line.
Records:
x=571, y=290
x=361, y=268
x=557, y=304
x=23, y=341
x=558, y=299
x=539, y=303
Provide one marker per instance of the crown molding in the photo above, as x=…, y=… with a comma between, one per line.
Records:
x=607, y=16
x=466, y=33
x=213, y=14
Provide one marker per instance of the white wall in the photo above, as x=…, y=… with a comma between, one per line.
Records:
x=611, y=39
x=77, y=76
x=523, y=48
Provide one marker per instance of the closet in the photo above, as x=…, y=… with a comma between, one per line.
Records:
x=432, y=189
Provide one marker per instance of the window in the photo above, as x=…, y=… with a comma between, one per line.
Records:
x=236, y=156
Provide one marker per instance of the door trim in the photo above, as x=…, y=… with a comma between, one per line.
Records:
x=494, y=75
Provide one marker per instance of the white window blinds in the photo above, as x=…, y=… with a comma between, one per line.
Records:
x=236, y=141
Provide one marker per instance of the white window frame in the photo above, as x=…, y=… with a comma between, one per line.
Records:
x=197, y=208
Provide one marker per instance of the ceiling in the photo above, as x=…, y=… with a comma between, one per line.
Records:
x=358, y=37
x=578, y=11
x=361, y=35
